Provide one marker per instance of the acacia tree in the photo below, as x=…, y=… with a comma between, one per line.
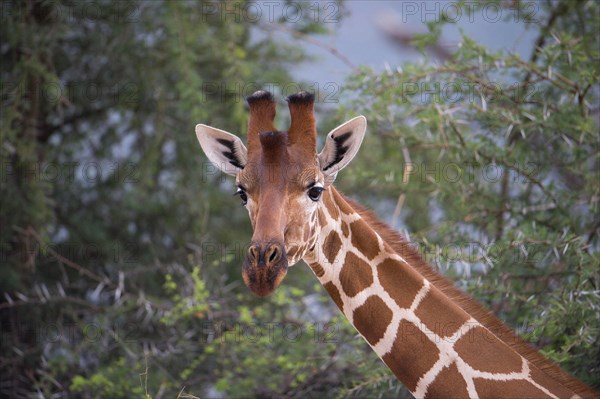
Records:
x=106, y=202
x=492, y=169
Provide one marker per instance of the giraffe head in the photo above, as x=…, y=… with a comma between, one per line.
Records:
x=280, y=178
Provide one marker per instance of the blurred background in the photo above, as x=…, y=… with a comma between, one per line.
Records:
x=121, y=246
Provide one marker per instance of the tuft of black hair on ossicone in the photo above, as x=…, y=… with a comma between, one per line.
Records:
x=302, y=97
x=259, y=95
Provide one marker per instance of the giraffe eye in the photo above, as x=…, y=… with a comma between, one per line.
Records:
x=315, y=193
x=242, y=195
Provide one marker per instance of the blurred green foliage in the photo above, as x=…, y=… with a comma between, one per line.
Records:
x=121, y=245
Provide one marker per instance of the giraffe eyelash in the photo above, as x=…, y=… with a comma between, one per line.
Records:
x=242, y=193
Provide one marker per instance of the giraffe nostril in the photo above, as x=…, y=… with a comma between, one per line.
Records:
x=253, y=252
x=273, y=253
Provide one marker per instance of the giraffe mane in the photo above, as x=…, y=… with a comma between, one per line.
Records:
x=468, y=304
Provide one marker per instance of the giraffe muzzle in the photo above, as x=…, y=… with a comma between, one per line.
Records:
x=264, y=268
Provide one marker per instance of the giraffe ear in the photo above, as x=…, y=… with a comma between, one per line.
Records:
x=223, y=149
x=341, y=146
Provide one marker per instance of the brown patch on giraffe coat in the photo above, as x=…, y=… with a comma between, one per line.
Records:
x=345, y=229
x=434, y=313
x=307, y=233
x=331, y=246
x=407, y=362
x=322, y=218
x=479, y=345
x=317, y=269
x=292, y=251
x=356, y=275
x=364, y=239
x=507, y=389
x=549, y=383
x=372, y=318
x=402, y=290
x=334, y=293
x=343, y=206
x=449, y=383
x=332, y=208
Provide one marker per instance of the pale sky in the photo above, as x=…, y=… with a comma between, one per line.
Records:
x=361, y=38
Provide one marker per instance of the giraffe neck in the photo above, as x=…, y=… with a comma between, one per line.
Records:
x=429, y=342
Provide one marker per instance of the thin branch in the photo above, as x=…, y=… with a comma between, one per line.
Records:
x=561, y=9
x=564, y=84
x=68, y=262
x=68, y=299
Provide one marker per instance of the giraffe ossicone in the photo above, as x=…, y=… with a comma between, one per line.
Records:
x=438, y=341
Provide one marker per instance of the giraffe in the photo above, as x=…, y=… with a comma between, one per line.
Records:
x=437, y=340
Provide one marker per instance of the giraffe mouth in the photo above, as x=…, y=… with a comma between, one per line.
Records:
x=264, y=268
